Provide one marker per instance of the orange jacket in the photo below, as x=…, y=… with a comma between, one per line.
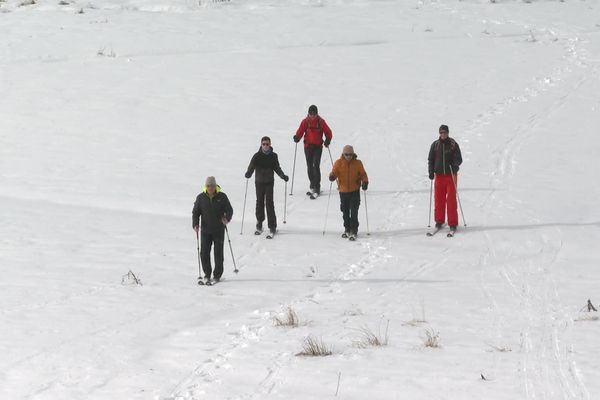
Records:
x=349, y=174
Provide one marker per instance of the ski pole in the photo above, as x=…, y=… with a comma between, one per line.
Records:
x=327, y=210
x=331, y=158
x=285, y=203
x=367, y=213
x=199, y=262
x=457, y=196
x=430, y=196
x=244, y=209
x=294, y=170
x=231, y=250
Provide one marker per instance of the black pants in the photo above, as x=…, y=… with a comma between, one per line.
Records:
x=206, y=242
x=349, y=203
x=264, y=197
x=313, y=165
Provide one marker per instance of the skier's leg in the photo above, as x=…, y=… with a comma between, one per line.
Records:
x=317, y=168
x=272, y=219
x=354, y=206
x=260, y=204
x=219, y=239
x=451, y=203
x=308, y=153
x=345, y=208
x=440, y=199
x=206, y=241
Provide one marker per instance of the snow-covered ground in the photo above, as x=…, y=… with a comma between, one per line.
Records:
x=114, y=112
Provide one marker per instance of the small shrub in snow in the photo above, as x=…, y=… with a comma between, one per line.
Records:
x=313, y=347
x=104, y=53
x=432, y=339
x=501, y=349
x=290, y=318
x=371, y=339
x=130, y=279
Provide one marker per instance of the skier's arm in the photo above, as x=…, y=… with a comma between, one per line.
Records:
x=301, y=130
x=277, y=168
x=431, y=160
x=457, y=156
x=334, y=172
x=228, y=214
x=251, y=167
x=326, y=131
x=196, y=212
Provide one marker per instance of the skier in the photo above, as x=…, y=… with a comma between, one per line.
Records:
x=313, y=127
x=216, y=212
x=265, y=162
x=444, y=161
x=351, y=176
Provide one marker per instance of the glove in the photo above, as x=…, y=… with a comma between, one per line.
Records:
x=365, y=185
x=248, y=175
x=331, y=177
x=327, y=142
x=286, y=178
x=431, y=175
x=296, y=138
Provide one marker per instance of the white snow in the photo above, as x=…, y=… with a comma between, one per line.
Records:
x=114, y=112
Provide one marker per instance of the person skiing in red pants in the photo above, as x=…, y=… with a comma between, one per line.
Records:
x=444, y=161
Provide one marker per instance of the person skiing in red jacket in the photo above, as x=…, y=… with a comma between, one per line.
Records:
x=313, y=128
x=444, y=161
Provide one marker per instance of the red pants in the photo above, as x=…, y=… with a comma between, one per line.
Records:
x=445, y=198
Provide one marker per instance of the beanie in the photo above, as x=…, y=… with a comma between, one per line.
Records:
x=312, y=110
x=444, y=128
x=210, y=181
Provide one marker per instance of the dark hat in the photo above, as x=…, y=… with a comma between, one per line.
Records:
x=444, y=128
x=312, y=110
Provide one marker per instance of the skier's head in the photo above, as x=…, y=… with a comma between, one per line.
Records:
x=348, y=152
x=313, y=111
x=265, y=144
x=444, y=129
x=210, y=181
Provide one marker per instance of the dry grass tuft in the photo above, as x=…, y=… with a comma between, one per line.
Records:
x=432, y=339
x=290, y=318
x=371, y=339
x=313, y=347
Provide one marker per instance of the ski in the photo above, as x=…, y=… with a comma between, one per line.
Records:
x=200, y=282
x=433, y=232
x=450, y=234
x=312, y=195
x=257, y=232
x=270, y=235
x=352, y=238
x=345, y=235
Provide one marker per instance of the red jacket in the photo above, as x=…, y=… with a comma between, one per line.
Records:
x=313, y=131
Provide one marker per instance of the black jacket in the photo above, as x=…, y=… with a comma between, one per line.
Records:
x=211, y=211
x=264, y=164
x=442, y=155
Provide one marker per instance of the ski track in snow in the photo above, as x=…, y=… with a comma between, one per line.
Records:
x=546, y=365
